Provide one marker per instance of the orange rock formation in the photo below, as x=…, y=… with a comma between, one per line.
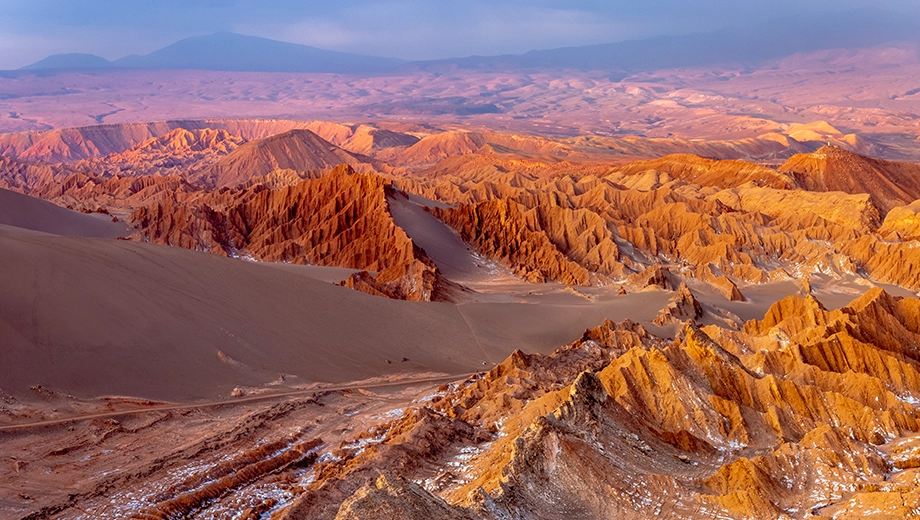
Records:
x=831, y=168
x=783, y=418
x=341, y=219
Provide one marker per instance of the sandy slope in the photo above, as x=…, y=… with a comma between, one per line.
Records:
x=91, y=317
x=322, y=273
x=454, y=258
x=22, y=211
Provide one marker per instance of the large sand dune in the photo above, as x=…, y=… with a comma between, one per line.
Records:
x=26, y=212
x=91, y=317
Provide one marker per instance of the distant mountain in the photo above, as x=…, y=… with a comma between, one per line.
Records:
x=69, y=61
x=749, y=46
x=231, y=52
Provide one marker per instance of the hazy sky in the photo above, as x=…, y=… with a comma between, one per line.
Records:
x=410, y=29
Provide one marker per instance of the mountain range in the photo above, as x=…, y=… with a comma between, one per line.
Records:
x=231, y=52
x=749, y=46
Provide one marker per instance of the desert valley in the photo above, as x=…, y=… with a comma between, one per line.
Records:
x=471, y=289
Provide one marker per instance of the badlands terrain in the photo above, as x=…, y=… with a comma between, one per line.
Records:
x=307, y=319
x=457, y=290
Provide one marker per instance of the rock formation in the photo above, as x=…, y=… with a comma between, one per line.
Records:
x=708, y=172
x=653, y=276
x=177, y=153
x=340, y=219
x=682, y=307
x=571, y=246
x=19, y=175
x=786, y=417
x=549, y=209
x=809, y=410
x=831, y=168
x=902, y=223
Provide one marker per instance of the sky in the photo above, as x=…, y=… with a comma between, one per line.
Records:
x=410, y=29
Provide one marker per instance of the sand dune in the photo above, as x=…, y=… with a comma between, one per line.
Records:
x=453, y=257
x=26, y=212
x=92, y=317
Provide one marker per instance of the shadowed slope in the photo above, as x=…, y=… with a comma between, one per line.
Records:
x=26, y=212
x=341, y=219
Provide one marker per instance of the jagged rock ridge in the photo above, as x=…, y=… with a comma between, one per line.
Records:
x=340, y=219
x=790, y=416
x=548, y=209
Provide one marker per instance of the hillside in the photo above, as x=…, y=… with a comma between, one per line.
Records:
x=298, y=150
x=889, y=183
x=21, y=211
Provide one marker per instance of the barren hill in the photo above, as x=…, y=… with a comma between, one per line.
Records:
x=708, y=172
x=298, y=150
x=833, y=169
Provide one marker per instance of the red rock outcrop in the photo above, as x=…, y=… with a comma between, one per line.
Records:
x=571, y=246
x=781, y=418
x=720, y=283
x=397, y=499
x=341, y=219
x=653, y=276
x=682, y=307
